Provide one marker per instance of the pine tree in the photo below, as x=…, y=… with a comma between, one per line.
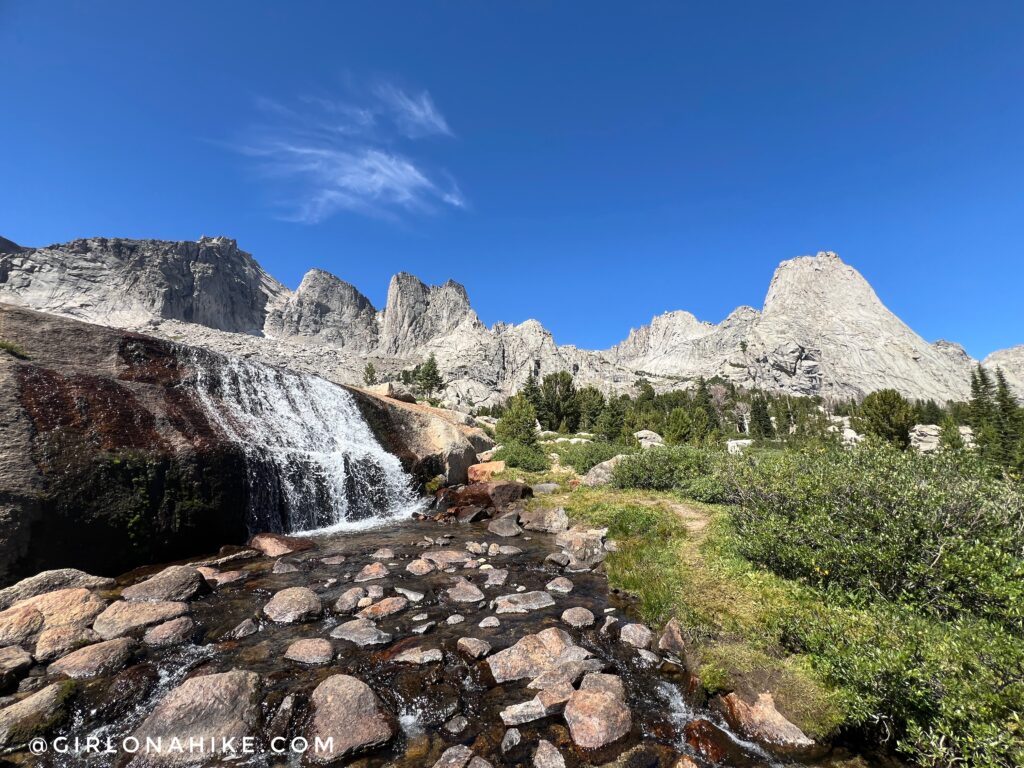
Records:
x=760, y=420
x=1008, y=427
x=428, y=377
x=982, y=412
x=558, y=402
x=702, y=400
x=612, y=419
x=886, y=414
x=950, y=438
x=370, y=375
x=589, y=403
x=519, y=422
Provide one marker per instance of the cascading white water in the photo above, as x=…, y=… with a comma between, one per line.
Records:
x=313, y=462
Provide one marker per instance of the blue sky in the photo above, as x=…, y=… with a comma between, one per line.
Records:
x=587, y=164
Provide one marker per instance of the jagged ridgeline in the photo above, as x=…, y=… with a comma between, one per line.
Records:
x=312, y=461
x=821, y=330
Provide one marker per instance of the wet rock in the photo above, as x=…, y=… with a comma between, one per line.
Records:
x=72, y=607
x=375, y=591
x=333, y=560
x=475, y=548
x=276, y=545
x=473, y=647
x=349, y=600
x=213, y=708
x=386, y=607
x=372, y=572
x=762, y=722
x=547, y=756
x=244, y=629
x=54, y=643
x=362, y=632
x=584, y=544
x=445, y=558
x=51, y=581
x=506, y=526
x=418, y=656
x=97, y=660
x=422, y=629
x=384, y=553
x=349, y=714
x=293, y=605
x=498, y=494
x=648, y=657
x=578, y=617
x=178, y=583
x=509, y=551
x=310, y=651
x=545, y=520
x=596, y=718
x=13, y=661
x=512, y=739
x=554, y=698
x=171, y=632
x=124, y=617
x=464, y=591
x=493, y=550
x=220, y=578
x=560, y=584
x=534, y=655
x=455, y=757
x=470, y=514
x=471, y=564
x=609, y=622
x=712, y=743
x=285, y=566
x=636, y=635
x=558, y=558
x=410, y=595
x=491, y=622
x=685, y=761
x=35, y=714
x=455, y=618
x=496, y=577
x=672, y=640
x=523, y=602
x=598, y=681
x=420, y=567
x=526, y=712
x=457, y=724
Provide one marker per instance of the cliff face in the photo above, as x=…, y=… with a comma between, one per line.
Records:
x=822, y=329
x=105, y=461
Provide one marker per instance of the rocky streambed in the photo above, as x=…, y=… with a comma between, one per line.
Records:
x=482, y=634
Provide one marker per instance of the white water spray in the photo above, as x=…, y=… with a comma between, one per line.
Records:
x=312, y=460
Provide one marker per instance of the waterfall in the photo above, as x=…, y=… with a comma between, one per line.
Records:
x=313, y=462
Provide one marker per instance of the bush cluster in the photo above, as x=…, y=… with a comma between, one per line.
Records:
x=583, y=456
x=937, y=532
x=528, y=457
x=697, y=473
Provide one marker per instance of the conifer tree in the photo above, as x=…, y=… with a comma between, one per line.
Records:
x=886, y=414
x=428, y=377
x=760, y=420
x=370, y=374
x=950, y=438
x=519, y=422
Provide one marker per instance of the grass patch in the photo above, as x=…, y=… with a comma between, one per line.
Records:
x=679, y=560
x=14, y=350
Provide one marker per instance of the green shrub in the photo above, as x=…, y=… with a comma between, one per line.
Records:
x=944, y=693
x=936, y=531
x=520, y=456
x=697, y=473
x=14, y=350
x=518, y=424
x=583, y=456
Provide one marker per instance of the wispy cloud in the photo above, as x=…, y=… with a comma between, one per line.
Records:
x=324, y=156
x=415, y=116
